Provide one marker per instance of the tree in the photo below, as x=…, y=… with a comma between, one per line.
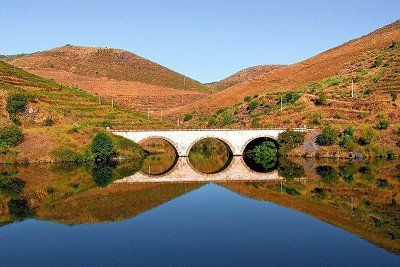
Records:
x=187, y=117
x=102, y=147
x=11, y=134
x=265, y=154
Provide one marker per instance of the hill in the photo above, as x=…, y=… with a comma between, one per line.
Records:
x=116, y=74
x=242, y=76
x=76, y=116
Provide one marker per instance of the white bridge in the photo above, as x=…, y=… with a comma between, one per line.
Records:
x=184, y=139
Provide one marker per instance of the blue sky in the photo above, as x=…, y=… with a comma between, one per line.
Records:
x=205, y=40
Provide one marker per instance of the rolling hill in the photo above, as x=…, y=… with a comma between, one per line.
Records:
x=116, y=74
x=242, y=76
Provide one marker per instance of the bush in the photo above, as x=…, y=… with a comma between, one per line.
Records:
x=187, y=117
x=212, y=121
x=368, y=135
x=14, y=119
x=252, y=105
x=398, y=131
x=48, y=122
x=105, y=124
x=289, y=98
x=16, y=102
x=394, y=96
x=247, y=98
x=291, y=191
x=102, y=174
x=391, y=155
x=227, y=119
x=290, y=139
x=321, y=100
x=102, y=147
x=382, y=124
x=316, y=118
x=382, y=183
x=11, y=135
x=327, y=137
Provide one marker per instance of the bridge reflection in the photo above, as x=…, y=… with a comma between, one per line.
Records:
x=184, y=172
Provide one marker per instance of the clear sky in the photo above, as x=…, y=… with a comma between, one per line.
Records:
x=206, y=40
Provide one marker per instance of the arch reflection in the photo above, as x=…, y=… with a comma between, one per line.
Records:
x=161, y=156
x=210, y=155
x=261, y=154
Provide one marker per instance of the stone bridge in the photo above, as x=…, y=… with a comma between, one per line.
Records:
x=184, y=139
x=237, y=170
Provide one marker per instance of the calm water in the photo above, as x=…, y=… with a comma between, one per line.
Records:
x=77, y=216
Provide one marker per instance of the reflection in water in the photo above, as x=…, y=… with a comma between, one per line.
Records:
x=359, y=197
x=210, y=155
x=161, y=158
x=261, y=155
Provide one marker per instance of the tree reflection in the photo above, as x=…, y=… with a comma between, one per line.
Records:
x=290, y=170
x=102, y=173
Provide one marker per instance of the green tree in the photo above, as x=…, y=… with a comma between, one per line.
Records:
x=327, y=173
x=265, y=154
x=102, y=147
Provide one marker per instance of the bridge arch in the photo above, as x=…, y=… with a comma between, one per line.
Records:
x=223, y=140
x=271, y=138
x=166, y=139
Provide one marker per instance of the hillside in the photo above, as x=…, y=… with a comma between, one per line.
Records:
x=116, y=74
x=346, y=59
x=242, y=76
x=76, y=116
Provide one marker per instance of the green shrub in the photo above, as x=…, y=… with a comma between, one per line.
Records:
x=16, y=102
x=321, y=100
x=368, y=135
x=347, y=171
x=290, y=139
x=391, y=155
x=349, y=130
x=290, y=190
x=247, y=98
x=187, y=117
x=394, y=96
x=48, y=122
x=289, y=98
x=227, y=119
x=398, y=131
x=212, y=121
x=327, y=137
x=102, y=147
x=11, y=134
x=382, y=183
x=14, y=119
x=252, y=105
x=398, y=143
x=316, y=118
x=382, y=124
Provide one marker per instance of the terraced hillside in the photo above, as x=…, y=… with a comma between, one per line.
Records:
x=344, y=59
x=76, y=115
x=130, y=80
